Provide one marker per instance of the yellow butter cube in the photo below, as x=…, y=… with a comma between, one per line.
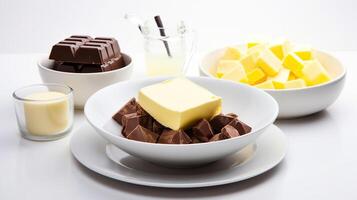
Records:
x=237, y=74
x=298, y=83
x=294, y=63
x=256, y=76
x=278, y=85
x=249, y=61
x=269, y=63
x=232, y=53
x=305, y=53
x=314, y=73
x=292, y=76
x=282, y=76
x=280, y=48
x=254, y=43
x=256, y=49
x=224, y=66
x=268, y=84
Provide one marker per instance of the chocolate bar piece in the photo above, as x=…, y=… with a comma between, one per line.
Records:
x=219, y=121
x=203, y=130
x=218, y=137
x=143, y=134
x=229, y=131
x=67, y=67
x=174, y=137
x=241, y=127
x=86, y=50
x=132, y=120
x=129, y=107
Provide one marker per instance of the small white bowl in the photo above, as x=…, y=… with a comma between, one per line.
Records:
x=84, y=84
x=253, y=106
x=295, y=102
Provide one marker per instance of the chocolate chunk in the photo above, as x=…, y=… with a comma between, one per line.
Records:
x=203, y=130
x=132, y=120
x=113, y=42
x=232, y=115
x=143, y=134
x=241, y=127
x=87, y=54
x=81, y=49
x=195, y=140
x=218, y=137
x=174, y=137
x=229, y=131
x=66, y=67
x=63, y=52
x=157, y=127
x=129, y=107
x=219, y=121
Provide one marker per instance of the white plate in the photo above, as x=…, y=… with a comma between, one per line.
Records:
x=254, y=107
x=90, y=150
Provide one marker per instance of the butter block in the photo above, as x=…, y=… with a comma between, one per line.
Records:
x=282, y=76
x=278, y=85
x=292, y=76
x=268, y=84
x=179, y=103
x=298, y=83
x=256, y=76
x=254, y=43
x=249, y=61
x=314, y=73
x=225, y=66
x=280, y=48
x=232, y=53
x=294, y=63
x=237, y=74
x=305, y=53
x=269, y=63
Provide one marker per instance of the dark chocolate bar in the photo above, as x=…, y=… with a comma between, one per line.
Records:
x=85, y=50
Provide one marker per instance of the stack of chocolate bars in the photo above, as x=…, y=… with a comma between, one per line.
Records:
x=139, y=125
x=83, y=54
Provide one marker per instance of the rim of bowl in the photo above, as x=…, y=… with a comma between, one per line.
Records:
x=270, y=122
x=39, y=64
x=337, y=78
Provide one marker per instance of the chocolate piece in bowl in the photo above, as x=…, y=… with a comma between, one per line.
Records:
x=217, y=137
x=229, y=131
x=132, y=120
x=157, y=127
x=174, y=137
x=129, y=107
x=219, y=121
x=241, y=127
x=143, y=134
x=203, y=130
x=113, y=42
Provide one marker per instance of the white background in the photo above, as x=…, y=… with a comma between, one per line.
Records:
x=32, y=26
x=321, y=162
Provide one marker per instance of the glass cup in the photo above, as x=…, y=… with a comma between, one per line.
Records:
x=168, y=50
x=44, y=111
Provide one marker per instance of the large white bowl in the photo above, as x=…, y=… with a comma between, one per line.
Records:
x=84, y=84
x=295, y=102
x=255, y=107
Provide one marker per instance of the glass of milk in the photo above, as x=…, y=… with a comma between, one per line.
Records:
x=168, y=49
x=44, y=111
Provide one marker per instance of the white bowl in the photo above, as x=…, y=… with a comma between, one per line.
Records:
x=295, y=102
x=255, y=107
x=84, y=84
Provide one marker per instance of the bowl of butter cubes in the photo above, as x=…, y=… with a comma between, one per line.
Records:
x=303, y=80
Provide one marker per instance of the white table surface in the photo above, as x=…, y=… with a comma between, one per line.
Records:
x=321, y=162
